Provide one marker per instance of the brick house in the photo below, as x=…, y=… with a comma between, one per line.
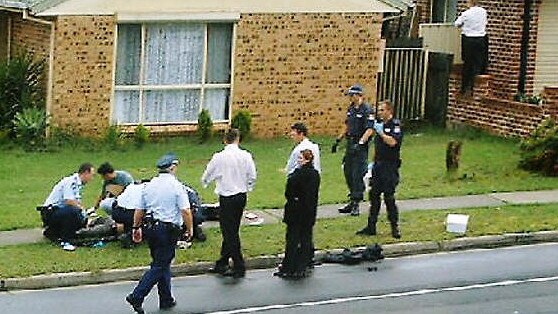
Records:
x=523, y=59
x=158, y=63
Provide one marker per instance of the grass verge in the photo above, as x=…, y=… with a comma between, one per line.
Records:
x=45, y=258
x=488, y=164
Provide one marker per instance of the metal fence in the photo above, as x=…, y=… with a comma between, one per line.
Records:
x=403, y=81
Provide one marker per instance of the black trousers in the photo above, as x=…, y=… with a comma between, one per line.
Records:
x=299, y=249
x=355, y=164
x=384, y=180
x=232, y=208
x=474, y=55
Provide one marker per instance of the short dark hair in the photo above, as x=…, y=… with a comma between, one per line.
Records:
x=307, y=155
x=300, y=127
x=232, y=135
x=85, y=167
x=105, y=168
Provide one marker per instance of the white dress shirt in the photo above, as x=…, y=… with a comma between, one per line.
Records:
x=473, y=22
x=292, y=164
x=232, y=169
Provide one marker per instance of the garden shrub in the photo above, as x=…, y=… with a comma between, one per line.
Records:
x=21, y=87
x=242, y=121
x=30, y=128
x=141, y=135
x=205, y=126
x=539, y=152
x=114, y=138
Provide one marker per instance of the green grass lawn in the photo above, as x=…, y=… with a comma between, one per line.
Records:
x=44, y=258
x=488, y=164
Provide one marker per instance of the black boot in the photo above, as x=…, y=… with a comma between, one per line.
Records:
x=395, y=231
x=355, y=210
x=346, y=209
x=369, y=230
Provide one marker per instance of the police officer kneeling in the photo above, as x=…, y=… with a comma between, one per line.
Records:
x=385, y=172
x=165, y=207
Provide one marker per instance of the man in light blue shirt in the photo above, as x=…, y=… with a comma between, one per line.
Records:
x=65, y=198
x=299, y=133
x=165, y=202
x=234, y=171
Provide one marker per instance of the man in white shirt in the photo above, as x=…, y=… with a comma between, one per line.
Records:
x=299, y=133
x=474, y=44
x=234, y=172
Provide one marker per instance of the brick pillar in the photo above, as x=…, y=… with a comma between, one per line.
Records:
x=550, y=95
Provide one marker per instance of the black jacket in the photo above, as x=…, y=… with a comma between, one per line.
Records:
x=302, y=196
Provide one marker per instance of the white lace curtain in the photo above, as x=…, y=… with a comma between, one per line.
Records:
x=168, y=82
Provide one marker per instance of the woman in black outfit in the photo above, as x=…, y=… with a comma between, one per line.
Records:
x=301, y=193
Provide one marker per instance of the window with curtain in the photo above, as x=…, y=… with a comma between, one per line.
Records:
x=169, y=72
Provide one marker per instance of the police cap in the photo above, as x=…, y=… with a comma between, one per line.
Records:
x=356, y=89
x=167, y=160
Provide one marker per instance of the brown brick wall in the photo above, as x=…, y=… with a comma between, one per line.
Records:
x=295, y=67
x=424, y=8
x=82, y=78
x=499, y=116
x=29, y=36
x=505, y=28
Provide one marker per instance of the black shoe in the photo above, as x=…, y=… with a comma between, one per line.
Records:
x=345, y=209
x=199, y=235
x=367, y=231
x=167, y=305
x=236, y=274
x=135, y=305
x=396, y=232
x=355, y=211
x=279, y=274
x=218, y=270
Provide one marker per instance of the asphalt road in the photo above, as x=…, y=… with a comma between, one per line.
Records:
x=507, y=280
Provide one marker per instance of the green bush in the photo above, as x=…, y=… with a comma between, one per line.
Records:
x=21, y=87
x=205, y=126
x=242, y=121
x=141, y=135
x=30, y=128
x=539, y=152
x=114, y=138
x=529, y=99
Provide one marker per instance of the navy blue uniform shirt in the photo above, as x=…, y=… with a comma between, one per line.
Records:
x=359, y=120
x=384, y=152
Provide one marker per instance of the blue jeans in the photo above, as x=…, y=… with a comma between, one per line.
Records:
x=162, y=244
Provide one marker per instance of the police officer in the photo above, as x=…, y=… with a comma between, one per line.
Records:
x=165, y=206
x=68, y=211
x=385, y=172
x=358, y=129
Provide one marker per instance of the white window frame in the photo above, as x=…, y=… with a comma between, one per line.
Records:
x=141, y=88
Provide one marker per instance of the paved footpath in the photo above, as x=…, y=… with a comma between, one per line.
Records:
x=330, y=211
x=325, y=211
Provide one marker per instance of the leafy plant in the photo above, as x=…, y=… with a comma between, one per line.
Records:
x=21, y=86
x=30, y=127
x=242, y=121
x=540, y=151
x=114, y=137
x=141, y=135
x=530, y=99
x=205, y=126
